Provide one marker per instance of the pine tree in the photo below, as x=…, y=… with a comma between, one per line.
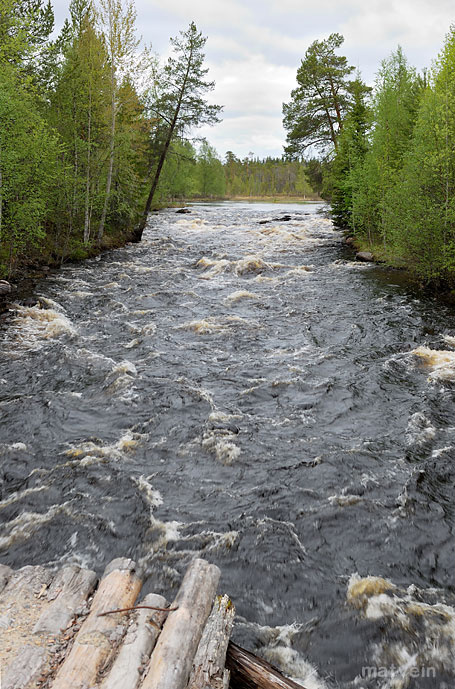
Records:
x=314, y=116
x=180, y=103
x=352, y=148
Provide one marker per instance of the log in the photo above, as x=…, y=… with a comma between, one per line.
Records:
x=98, y=636
x=209, y=671
x=21, y=603
x=172, y=659
x=250, y=672
x=137, y=646
x=26, y=669
x=69, y=592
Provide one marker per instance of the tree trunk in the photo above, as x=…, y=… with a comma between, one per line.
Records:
x=96, y=640
x=137, y=645
x=209, y=671
x=137, y=236
x=111, y=159
x=172, y=659
x=87, y=181
x=250, y=672
x=336, y=104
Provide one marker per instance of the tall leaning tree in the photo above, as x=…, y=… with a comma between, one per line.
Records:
x=314, y=115
x=179, y=104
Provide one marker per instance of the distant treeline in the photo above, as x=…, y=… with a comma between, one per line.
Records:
x=191, y=174
x=388, y=155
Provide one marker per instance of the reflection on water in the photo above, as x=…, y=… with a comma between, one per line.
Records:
x=237, y=387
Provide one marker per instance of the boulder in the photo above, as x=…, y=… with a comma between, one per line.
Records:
x=183, y=210
x=349, y=240
x=365, y=256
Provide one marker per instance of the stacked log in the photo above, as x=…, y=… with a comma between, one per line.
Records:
x=57, y=635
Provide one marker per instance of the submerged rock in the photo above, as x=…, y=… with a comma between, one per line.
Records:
x=6, y=287
x=365, y=256
x=284, y=218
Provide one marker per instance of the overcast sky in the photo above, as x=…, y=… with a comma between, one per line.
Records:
x=254, y=48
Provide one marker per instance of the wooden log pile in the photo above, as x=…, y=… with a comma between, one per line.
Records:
x=69, y=631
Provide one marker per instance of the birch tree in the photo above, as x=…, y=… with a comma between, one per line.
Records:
x=117, y=19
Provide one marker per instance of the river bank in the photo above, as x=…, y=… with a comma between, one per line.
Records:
x=276, y=199
x=443, y=290
x=40, y=265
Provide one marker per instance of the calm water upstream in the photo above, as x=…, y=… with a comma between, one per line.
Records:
x=244, y=391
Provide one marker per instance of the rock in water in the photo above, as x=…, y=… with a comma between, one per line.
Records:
x=5, y=287
x=365, y=256
x=183, y=210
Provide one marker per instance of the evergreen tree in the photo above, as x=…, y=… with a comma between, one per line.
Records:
x=352, y=148
x=314, y=116
x=180, y=103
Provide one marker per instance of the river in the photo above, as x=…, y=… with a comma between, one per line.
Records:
x=237, y=387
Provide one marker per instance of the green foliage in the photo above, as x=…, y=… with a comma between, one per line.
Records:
x=396, y=103
x=209, y=173
x=314, y=116
x=178, y=178
x=179, y=100
x=394, y=186
x=352, y=148
x=28, y=155
x=423, y=207
x=25, y=26
x=268, y=177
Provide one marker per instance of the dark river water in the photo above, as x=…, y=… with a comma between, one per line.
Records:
x=244, y=391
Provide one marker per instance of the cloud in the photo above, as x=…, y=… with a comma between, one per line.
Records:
x=252, y=91
x=254, y=48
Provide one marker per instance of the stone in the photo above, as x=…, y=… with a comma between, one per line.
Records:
x=365, y=256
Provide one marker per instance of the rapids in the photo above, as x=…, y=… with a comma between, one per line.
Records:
x=244, y=391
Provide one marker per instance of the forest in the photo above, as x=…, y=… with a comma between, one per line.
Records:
x=95, y=131
x=88, y=121
x=387, y=153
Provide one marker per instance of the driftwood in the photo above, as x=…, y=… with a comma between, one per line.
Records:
x=171, y=661
x=209, y=670
x=98, y=636
x=137, y=645
x=250, y=672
